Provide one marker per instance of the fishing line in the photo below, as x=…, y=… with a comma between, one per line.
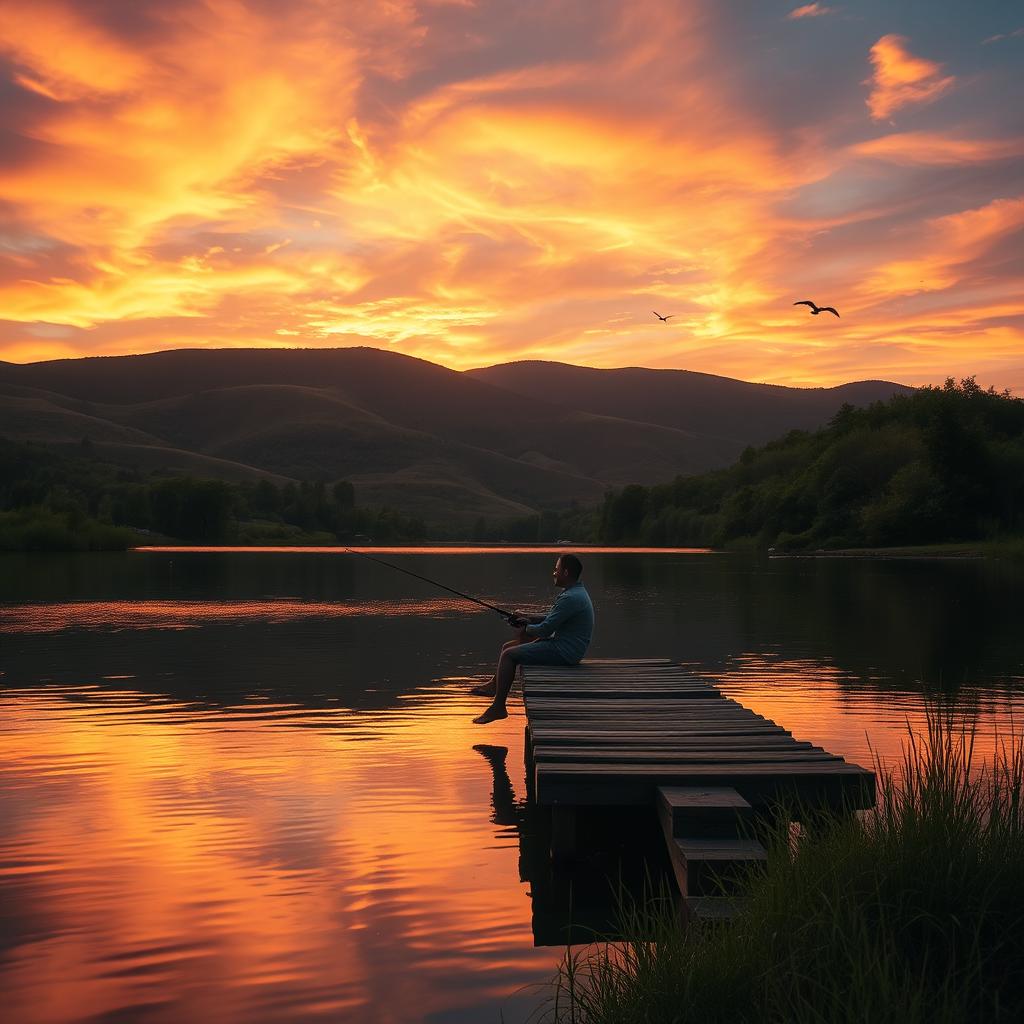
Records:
x=509, y=616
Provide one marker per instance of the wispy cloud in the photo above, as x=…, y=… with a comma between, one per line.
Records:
x=937, y=149
x=814, y=10
x=1015, y=34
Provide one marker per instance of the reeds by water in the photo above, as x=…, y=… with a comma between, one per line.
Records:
x=911, y=914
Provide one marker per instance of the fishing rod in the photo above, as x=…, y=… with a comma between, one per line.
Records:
x=507, y=615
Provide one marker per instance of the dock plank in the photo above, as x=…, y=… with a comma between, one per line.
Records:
x=685, y=705
x=677, y=757
x=713, y=745
x=549, y=732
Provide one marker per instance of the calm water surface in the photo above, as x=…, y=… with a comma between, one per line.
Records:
x=243, y=786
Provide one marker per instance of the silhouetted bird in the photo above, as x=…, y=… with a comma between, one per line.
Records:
x=664, y=318
x=815, y=309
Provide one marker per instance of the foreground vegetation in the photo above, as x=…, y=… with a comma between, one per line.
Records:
x=915, y=914
x=941, y=464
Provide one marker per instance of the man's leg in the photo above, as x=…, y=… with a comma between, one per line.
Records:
x=489, y=688
x=503, y=796
x=503, y=683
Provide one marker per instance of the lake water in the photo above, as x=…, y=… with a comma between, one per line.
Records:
x=242, y=786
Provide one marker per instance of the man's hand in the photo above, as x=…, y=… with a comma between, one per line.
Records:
x=517, y=620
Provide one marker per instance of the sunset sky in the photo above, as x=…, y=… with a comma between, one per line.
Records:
x=478, y=181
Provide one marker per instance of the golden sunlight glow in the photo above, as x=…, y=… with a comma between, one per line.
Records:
x=470, y=185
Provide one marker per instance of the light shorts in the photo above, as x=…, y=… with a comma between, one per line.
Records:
x=538, y=652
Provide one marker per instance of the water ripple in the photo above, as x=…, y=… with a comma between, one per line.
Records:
x=179, y=615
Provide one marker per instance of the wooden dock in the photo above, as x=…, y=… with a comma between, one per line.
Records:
x=612, y=733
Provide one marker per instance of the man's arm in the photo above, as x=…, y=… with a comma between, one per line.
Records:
x=561, y=610
x=528, y=620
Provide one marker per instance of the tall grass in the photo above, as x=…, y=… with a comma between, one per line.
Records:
x=913, y=913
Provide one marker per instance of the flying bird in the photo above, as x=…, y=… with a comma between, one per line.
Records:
x=816, y=309
x=663, y=318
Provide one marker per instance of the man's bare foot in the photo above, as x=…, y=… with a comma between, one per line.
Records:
x=485, y=690
x=492, y=714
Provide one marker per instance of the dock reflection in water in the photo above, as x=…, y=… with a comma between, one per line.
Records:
x=621, y=854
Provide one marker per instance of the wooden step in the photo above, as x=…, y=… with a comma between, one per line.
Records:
x=713, y=867
x=708, y=829
x=703, y=812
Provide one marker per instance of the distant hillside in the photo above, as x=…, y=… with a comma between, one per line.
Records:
x=449, y=447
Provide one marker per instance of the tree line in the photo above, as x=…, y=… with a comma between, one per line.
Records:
x=941, y=464
x=54, y=500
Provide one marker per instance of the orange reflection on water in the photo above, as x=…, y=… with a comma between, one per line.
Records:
x=53, y=618
x=183, y=863
x=819, y=703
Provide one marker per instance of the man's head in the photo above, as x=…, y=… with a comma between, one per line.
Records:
x=567, y=570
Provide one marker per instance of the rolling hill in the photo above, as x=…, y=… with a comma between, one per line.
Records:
x=499, y=442
x=734, y=412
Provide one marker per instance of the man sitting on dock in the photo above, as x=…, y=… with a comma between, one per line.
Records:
x=559, y=638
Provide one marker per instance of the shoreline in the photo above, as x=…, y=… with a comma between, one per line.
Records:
x=1011, y=548
x=412, y=549
x=887, y=554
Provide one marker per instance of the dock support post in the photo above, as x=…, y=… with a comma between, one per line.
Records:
x=563, y=832
x=531, y=786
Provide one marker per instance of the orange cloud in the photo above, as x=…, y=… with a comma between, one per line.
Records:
x=942, y=257
x=63, y=56
x=901, y=79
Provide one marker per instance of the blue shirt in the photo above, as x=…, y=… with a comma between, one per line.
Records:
x=570, y=623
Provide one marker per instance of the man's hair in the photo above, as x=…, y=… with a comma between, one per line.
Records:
x=572, y=564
